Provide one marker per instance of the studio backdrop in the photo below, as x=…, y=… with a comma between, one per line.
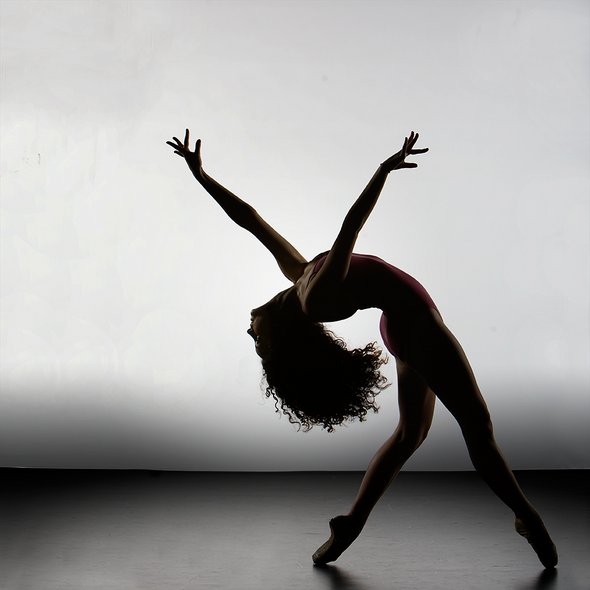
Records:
x=126, y=291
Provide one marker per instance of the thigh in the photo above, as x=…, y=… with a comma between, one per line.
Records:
x=435, y=353
x=415, y=398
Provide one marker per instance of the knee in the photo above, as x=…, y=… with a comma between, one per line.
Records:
x=478, y=430
x=410, y=439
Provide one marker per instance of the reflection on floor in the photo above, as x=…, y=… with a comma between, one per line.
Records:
x=122, y=530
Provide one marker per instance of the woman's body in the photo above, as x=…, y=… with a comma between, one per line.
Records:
x=429, y=360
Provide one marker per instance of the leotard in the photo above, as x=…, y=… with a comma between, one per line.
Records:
x=376, y=283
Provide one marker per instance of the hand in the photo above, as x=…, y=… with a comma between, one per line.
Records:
x=397, y=161
x=193, y=159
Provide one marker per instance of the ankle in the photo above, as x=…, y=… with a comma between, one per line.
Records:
x=356, y=519
x=530, y=518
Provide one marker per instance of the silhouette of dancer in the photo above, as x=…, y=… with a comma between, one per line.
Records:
x=315, y=380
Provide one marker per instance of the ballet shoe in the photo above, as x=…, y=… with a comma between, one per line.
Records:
x=540, y=541
x=342, y=533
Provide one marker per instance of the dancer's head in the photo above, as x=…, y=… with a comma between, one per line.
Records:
x=312, y=376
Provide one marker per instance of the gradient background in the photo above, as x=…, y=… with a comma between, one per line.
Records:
x=126, y=291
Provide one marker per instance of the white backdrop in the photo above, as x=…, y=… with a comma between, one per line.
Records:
x=126, y=291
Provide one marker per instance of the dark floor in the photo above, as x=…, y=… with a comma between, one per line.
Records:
x=124, y=530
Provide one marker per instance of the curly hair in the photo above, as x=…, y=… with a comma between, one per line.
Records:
x=316, y=380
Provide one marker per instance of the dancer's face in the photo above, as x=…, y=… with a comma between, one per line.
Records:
x=260, y=331
x=261, y=326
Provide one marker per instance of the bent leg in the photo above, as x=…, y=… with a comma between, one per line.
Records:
x=416, y=405
x=416, y=408
x=437, y=355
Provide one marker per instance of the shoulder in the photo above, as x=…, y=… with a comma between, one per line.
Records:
x=307, y=271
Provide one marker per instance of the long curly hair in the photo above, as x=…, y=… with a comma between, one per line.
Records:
x=315, y=379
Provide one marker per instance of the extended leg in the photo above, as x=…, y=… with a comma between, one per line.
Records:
x=416, y=404
x=437, y=355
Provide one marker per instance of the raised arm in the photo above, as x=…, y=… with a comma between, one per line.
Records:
x=290, y=261
x=337, y=262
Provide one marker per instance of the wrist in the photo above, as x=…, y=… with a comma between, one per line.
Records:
x=200, y=175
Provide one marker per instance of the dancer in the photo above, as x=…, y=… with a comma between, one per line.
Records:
x=315, y=380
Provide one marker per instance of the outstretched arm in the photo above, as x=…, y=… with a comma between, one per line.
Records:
x=337, y=262
x=290, y=261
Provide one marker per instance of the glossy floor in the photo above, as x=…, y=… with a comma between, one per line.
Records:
x=121, y=530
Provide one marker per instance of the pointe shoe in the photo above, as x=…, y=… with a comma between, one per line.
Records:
x=540, y=541
x=343, y=531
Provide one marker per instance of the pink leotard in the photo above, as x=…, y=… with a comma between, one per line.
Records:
x=403, y=298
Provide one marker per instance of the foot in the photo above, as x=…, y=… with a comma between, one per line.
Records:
x=343, y=531
x=540, y=541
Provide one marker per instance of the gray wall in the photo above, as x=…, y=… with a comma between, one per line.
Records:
x=126, y=292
